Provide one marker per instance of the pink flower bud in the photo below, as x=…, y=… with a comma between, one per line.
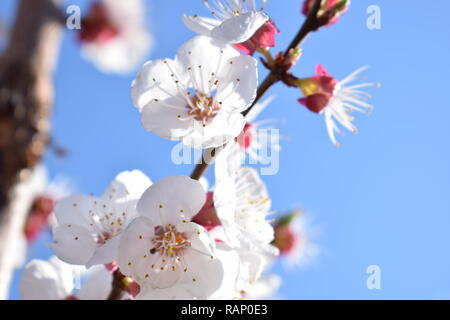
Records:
x=263, y=38
x=318, y=90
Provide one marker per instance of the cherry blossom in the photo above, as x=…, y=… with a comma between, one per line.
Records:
x=114, y=36
x=89, y=228
x=198, y=97
x=235, y=21
x=334, y=99
x=163, y=250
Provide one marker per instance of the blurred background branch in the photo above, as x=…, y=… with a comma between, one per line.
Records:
x=26, y=98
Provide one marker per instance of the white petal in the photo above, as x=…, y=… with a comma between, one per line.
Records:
x=222, y=129
x=136, y=259
x=134, y=245
x=204, y=276
x=252, y=266
x=167, y=122
x=74, y=244
x=203, y=58
x=156, y=80
x=228, y=161
x=75, y=210
x=127, y=185
x=42, y=281
x=241, y=75
x=172, y=200
x=231, y=266
x=105, y=253
x=97, y=286
x=239, y=28
x=200, y=25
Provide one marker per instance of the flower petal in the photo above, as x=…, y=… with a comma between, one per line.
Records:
x=172, y=200
x=167, y=122
x=42, y=280
x=73, y=244
x=97, y=285
x=202, y=58
x=198, y=236
x=134, y=258
x=240, y=76
x=222, y=129
x=239, y=28
x=75, y=210
x=156, y=80
x=105, y=253
x=200, y=25
x=127, y=185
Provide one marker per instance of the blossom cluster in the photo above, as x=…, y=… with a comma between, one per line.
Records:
x=177, y=238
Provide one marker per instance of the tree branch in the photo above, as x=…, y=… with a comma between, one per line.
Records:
x=311, y=24
x=26, y=98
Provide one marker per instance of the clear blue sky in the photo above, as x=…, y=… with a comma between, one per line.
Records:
x=381, y=198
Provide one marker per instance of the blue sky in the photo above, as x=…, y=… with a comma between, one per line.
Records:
x=381, y=198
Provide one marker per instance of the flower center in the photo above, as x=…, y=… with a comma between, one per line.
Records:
x=169, y=242
x=203, y=108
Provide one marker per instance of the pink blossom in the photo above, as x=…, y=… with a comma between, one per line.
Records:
x=318, y=90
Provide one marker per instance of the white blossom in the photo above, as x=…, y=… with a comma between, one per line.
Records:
x=56, y=280
x=198, y=97
x=167, y=254
x=89, y=228
x=242, y=204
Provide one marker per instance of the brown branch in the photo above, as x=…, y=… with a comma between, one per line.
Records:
x=311, y=24
x=26, y=97
x=118, y=288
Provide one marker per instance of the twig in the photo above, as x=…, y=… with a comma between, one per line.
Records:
x=311, y=24
x=118, y=289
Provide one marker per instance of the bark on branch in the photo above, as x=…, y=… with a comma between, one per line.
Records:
x=26, y=97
